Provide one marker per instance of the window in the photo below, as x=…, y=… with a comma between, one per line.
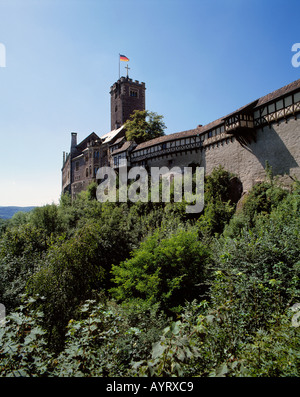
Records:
x=288, y=100
x=133, y=93
x=279, y=104
x=86, y=172
x=297, y=97
x=263, y=111
x=77, y=165
x=271, y=108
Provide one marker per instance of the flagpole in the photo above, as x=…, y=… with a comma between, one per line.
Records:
x=119, y=68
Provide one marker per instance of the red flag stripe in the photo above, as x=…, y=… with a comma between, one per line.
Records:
x=123, y=58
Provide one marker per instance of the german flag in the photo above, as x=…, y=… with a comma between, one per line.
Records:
x=123, y=58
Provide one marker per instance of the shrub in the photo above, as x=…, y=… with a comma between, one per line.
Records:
x=106, y=338
x=23, y=346
x=163, y=269
x=218, y=208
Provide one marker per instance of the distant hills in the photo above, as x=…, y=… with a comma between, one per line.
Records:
x=8, y=212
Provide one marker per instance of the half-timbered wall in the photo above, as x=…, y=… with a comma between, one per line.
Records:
x=275, y=126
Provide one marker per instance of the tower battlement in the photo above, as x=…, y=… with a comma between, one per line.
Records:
x=128, y=80
x=126, y=97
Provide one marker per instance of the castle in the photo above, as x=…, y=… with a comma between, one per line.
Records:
x=243, y=142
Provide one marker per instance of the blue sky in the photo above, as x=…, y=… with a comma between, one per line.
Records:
x=200, y=60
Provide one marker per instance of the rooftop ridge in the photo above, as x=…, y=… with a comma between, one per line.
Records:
x=289, y=88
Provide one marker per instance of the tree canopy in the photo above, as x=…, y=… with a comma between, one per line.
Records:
x=144, y=125
x=141, y=289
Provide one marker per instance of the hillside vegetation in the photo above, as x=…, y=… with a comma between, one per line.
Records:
x=144, y=289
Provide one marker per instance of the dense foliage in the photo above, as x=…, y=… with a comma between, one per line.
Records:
x=144, y=125
x=144, y=289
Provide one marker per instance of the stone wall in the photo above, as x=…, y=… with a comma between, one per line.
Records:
x=126, y=97
x=180, y=159
x=278, y=144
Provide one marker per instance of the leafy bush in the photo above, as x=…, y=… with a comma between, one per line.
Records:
x=163, y=269
x=22, y=249
x=262, y=198
x=273, y=353
x=175, y=350
x=72, y=269
x=218, y=208
x=106, y=339
x=23, y=346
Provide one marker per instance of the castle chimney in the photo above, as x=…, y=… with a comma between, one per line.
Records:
x=73, y=141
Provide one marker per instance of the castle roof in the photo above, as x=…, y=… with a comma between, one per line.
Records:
x=289, y=88
x=119, y=140
x=166, y=138
x=83, y=144
x=111, y=135
x=126, y=145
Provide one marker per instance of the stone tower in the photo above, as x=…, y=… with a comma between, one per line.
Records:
x=126, y=96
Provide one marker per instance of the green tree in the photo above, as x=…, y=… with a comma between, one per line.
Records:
x=218, y=208
x=143, y=126
x=21, y=251
x=47, y=219
x=165, y=269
